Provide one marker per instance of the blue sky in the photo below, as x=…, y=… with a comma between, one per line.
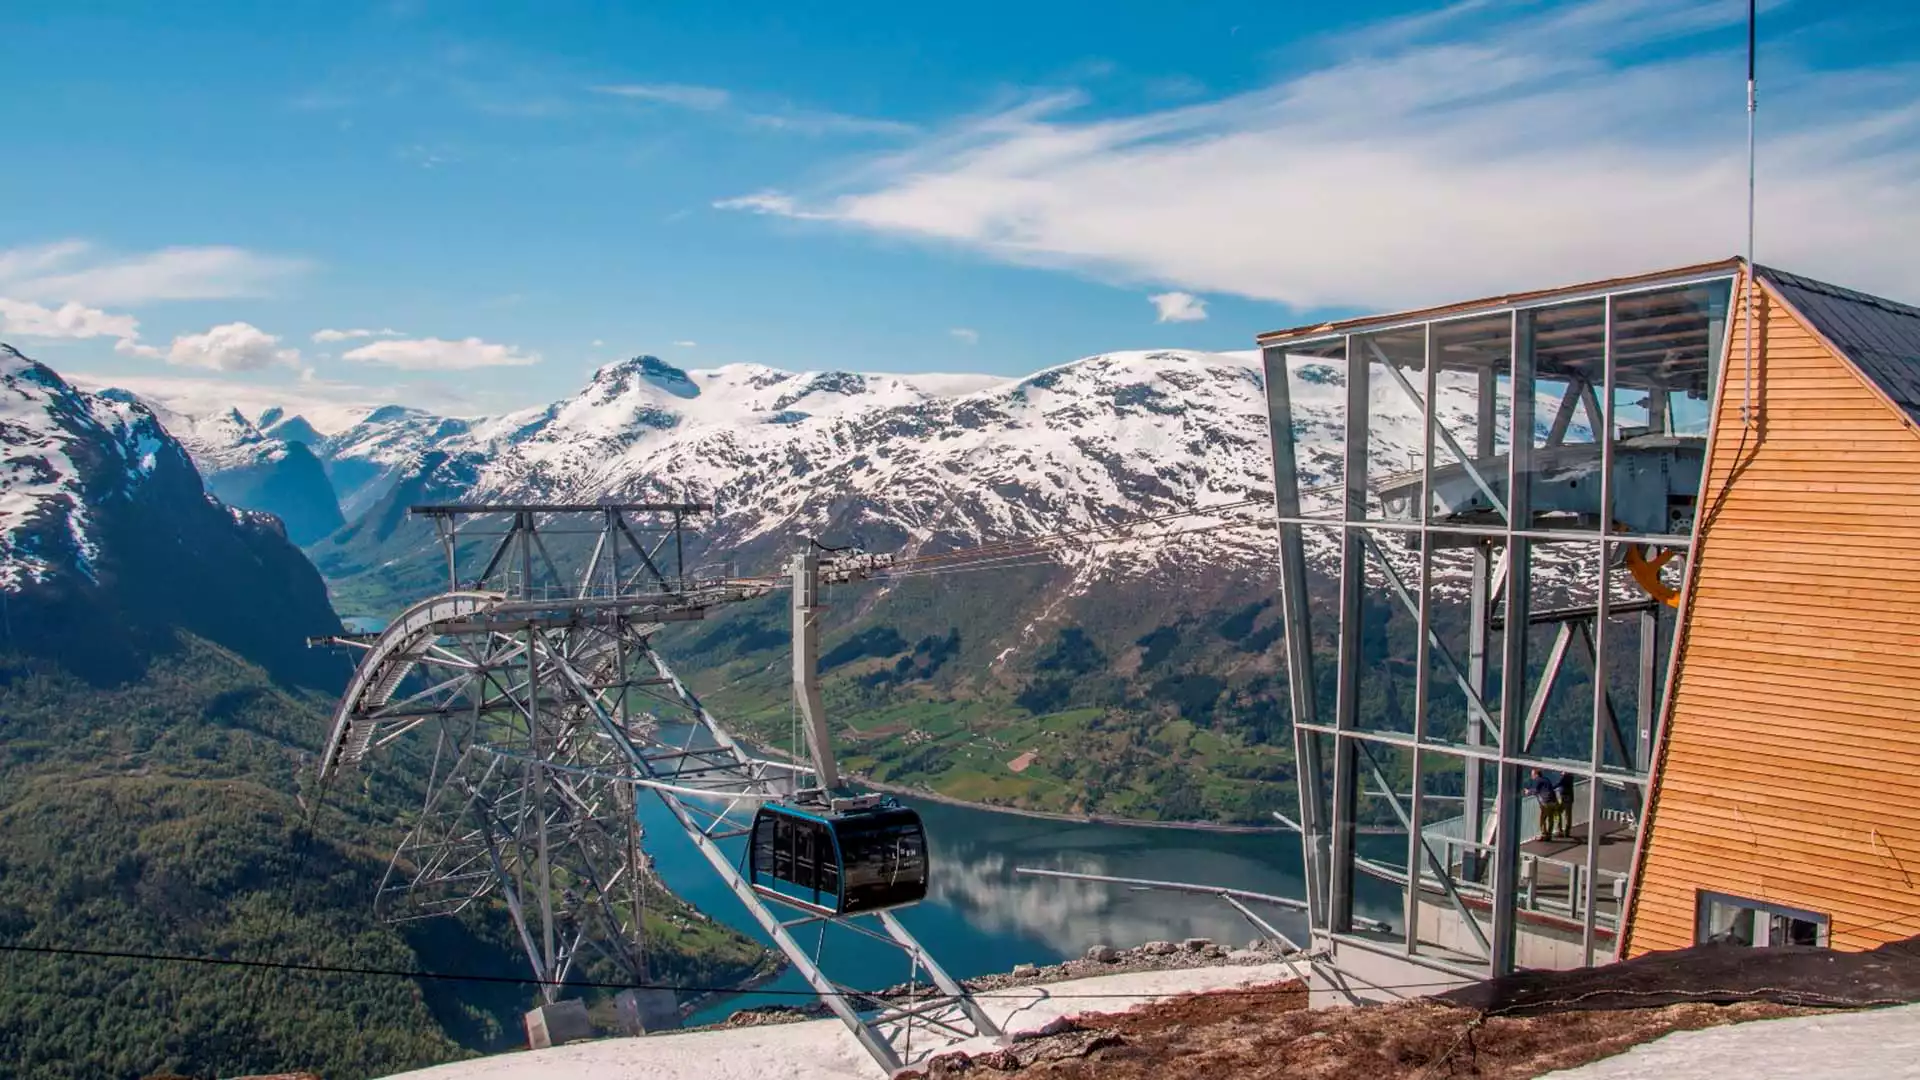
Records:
x=502, y=197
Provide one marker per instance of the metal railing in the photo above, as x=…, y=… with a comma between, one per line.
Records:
x=1531, y=896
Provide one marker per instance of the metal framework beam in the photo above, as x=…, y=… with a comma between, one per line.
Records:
x=539, y=754
x=1524, y=379
x=1296, y=616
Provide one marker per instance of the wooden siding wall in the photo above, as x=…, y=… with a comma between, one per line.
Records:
x=1791, y=770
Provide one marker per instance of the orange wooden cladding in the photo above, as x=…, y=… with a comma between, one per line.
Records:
x=1790, y=771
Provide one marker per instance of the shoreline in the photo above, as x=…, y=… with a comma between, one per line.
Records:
x=1054, y=815
x=745, y=986
x=1043, y=815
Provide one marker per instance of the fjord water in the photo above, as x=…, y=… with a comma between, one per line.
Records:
x=980, y=917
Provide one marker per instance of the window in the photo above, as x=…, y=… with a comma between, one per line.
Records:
x=1757, y=924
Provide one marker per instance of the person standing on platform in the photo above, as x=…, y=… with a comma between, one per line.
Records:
x=1547, y=794
x=1566, y=806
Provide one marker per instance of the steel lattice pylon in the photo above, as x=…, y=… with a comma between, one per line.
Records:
x=549, y=712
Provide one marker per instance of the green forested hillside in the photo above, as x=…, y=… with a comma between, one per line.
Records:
x=160, y=815
x=1130, y=703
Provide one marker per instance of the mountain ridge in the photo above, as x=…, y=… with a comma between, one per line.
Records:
x=109, y=540
x=162, y=713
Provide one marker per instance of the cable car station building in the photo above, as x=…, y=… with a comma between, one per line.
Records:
x=1606, y=548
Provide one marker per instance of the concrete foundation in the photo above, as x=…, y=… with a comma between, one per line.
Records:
x=1539, y=941
x=560, y=1022
x=643, y=1012
x=1357, y=976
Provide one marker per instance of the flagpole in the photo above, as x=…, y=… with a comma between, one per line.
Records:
x=1746, y=384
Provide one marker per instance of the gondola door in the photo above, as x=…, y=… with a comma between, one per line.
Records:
x=805, y=870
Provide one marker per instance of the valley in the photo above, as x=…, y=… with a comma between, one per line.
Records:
x=161, y=712
x=1145, y=662
x=1132, y=676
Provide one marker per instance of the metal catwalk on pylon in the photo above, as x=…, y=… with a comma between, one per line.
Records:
x=534, y=693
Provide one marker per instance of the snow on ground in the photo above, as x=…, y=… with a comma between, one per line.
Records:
x=1881, y=1044
x=824, y=1049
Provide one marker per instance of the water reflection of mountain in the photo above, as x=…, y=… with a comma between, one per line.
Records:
x=981, y=917
x=976, y=852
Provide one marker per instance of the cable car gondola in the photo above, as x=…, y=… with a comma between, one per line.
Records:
x=840, y=856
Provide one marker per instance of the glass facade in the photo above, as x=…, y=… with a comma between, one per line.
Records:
x=1484, y=524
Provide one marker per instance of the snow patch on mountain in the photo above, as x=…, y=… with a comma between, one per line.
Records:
x=221, y=441
x=63, y=449
x=920, y=461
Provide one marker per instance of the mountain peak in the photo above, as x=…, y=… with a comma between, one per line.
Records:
x=15, y=364
x=289, y=429
x=387, y=414
x=619, y=377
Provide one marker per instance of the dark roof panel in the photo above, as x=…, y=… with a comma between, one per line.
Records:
x=1881, y=337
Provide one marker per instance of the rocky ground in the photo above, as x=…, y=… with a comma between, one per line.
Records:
x=1270, y=1033
x=1099, y=960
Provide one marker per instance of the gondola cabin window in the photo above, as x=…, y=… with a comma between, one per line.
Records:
x=886, y=863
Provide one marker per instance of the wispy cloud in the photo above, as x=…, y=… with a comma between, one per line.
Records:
x=815, y=122
x=1493, y=145
x=771, y=116
x=1178, y=307
x=75, y=271
x=769, y=202
x=326, y=336
x=701, y=98
x=435, y=354
x=965, y=335
x=686, y=344
x=36, y=259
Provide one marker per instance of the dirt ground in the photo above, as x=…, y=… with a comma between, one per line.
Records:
x=1270, y=1033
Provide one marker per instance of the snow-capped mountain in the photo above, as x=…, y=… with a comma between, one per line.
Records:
x=109, y=541
x=245, y=466
x=66, y=452
x=889, y=461
x=884, y=461
x=276, y=423
x=893, y=458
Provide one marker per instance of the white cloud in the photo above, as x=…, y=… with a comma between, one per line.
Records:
x=779, y=116
x=1179, y=307
x=813, y=122
x=1488, y=147
x=16, y=263
x=700, y=98
x=330, y=406
x=235, y=346
x=771, y=202
x=69, y=320
x=686, y=344
x=435, y=354
x=598, y=344
x=965, y=336
x=73, y=271
x=348, y=335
